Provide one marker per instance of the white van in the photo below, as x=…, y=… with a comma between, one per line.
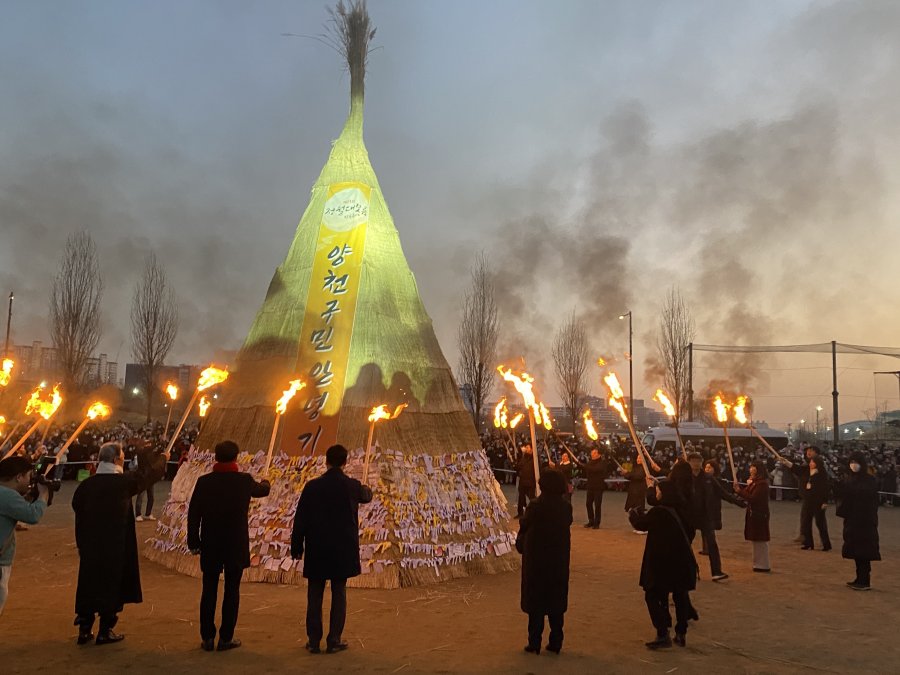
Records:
x=664, y=438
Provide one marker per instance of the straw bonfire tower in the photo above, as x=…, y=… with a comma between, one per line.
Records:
x=343, y=314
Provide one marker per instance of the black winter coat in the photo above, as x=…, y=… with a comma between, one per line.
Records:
x=109, y=574
x=637, y=488
x=597, y=471
x=326, y=526
x=544, y=543
x=816, y=490
x=858, y=506
x=217, y=519
x=525, y=469
x=713, y=493
x=668, y=563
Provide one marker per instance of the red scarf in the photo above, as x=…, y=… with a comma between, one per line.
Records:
x=226, y=467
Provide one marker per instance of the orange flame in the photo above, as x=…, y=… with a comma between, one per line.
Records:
x=542, y=416
x=740, y=409
x=211, y=377
x=667, y=405
x=500, y=413
x=99, y=409
x=2, y=422
x=514, y=422
x=589, y=427
x=523, y=384
x=172, y=391
x=45, y=409
x=381, y=412
x=6, y=372
x=721, y=409
x=616, y=395
x=204, y=405
x=601, y=362
x=287, y=395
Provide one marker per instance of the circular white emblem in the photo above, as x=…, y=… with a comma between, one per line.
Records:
x=345, y=210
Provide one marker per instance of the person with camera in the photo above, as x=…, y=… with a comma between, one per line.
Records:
x=217, y=530
x=15, y=483
x=108, y=572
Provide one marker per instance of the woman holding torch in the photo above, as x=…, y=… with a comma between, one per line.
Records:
x=756, y=523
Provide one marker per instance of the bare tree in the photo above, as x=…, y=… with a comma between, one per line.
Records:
x=570, y=361
x=154, y=324
x=75, y=308
x=477, y=338
x=676, y=332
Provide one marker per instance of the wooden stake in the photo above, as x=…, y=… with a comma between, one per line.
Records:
x=24, y=438
x=187, y=411
x=730, y=455
x=272, y=442
x=74, y=435
x=365, y=477
x=534, y=455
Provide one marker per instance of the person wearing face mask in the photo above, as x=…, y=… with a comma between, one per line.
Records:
x=756, y=523
x=713, y=492
x=857, y=504
x=815, y=502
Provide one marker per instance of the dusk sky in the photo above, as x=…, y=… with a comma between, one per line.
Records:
x=597, y=152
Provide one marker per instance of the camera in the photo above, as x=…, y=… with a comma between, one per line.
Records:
x=52, y=484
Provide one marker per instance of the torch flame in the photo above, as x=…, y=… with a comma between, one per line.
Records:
x=589, y=427
x=616, y=395
x=45, y=409
x=667, y=405
x=211, y=377
x=740, y=409
x=2, y=422
x=381, y=412
x=6, y=372
x=601, y=362
x=721, y=409
x=172, y=391
x=98, y=409
x=542, y=416
x=287, y=395
x=500, y=414
x=523, y=384
x=204, y=405
x=514, y=422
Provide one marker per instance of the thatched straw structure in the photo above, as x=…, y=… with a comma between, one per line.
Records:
x=343, y=312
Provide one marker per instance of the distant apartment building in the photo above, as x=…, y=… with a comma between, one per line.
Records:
x=185, y=376
x=36, y=363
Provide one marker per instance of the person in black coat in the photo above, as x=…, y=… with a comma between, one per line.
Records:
x=637, y=487
x=710, y=489
x=108, y=572
x=815, y=502
x=857, y=498
x=668, y=565
x=217, y=531
x=800, y=474
x=326, y=530
x=596, y=472
x=527, y=480
x=544, y=543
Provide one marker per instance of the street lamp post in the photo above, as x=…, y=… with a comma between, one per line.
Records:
x=630, y=367
x=802, y=430
x=8, y=322
x=818, y=410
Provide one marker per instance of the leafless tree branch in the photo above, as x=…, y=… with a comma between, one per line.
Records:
x=477, y=338
x=75, y=296
x=154, y=324
x=676, y=332
x=570, y=361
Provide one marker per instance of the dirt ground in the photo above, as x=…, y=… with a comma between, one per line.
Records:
x=801, y=617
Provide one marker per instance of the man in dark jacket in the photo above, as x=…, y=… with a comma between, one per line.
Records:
x=801, y=475
x=217, y=530
x=527, y=479
x=708, y=514
x=544, y=542
x=597, y=470
x=108, y=572
x=326, y=528
x=668, y=565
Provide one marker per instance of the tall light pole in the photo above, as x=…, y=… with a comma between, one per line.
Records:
x=8, y=322
x=802, y=429
x=818, y=410
x=630, y=367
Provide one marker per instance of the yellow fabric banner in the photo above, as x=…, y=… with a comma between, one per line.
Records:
x=310, y=425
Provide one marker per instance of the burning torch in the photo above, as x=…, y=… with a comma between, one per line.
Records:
x=524, y=385
x=97, y=410
x=280, y=409
x=721, y=409
x=208, y=378
x=670, y=411
x=172, y=393
x=6, y=372
x=617, y=401
x=44, y=409
x=378, y=413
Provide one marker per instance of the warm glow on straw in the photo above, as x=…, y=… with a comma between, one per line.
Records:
x=211, y=377
x=6, y=372
x=99, y=409
x=667, y=404
x=721, y=409
x=381, y=412
x=287, y=395
x=589, y=427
